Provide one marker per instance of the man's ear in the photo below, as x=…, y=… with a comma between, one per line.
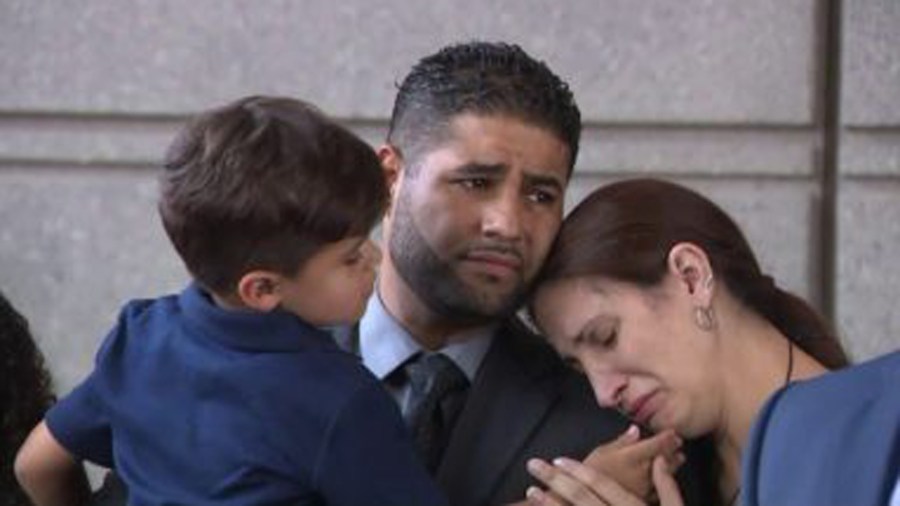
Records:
x=392, y=164
x=260, y=290
x=690, y=266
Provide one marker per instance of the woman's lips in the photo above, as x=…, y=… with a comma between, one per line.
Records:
x=642, y=409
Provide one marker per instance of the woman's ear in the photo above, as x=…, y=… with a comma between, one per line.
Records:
x=260, y=290
x=689, y=264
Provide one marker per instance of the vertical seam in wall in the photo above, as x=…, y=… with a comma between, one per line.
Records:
x=829, y=179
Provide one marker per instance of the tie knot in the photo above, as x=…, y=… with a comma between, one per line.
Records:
x=434, y=374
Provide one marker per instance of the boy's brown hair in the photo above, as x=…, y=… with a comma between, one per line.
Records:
x=263, y=183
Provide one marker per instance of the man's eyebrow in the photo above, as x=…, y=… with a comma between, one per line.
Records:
x=542, y=180
x=480, y=169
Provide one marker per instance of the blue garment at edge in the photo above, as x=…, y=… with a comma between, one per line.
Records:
x=832, y=440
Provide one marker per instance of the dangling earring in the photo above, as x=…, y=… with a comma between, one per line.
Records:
x=705, y=318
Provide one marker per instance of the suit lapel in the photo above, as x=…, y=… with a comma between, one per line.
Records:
x=508, y=400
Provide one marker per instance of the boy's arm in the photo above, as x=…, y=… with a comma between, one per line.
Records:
x=48, y=473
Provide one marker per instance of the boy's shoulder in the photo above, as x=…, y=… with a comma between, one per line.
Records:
x=138, y=317
x=138, y=308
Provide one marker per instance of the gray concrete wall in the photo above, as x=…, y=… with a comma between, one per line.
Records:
x=728, y=96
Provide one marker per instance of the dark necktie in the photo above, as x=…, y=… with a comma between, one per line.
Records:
x=437, y=393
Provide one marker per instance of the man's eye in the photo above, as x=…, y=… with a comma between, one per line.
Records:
x=542, y=196
x=475, y=183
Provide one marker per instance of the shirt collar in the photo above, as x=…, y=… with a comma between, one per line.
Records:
x=251, y=330
x=385, y=345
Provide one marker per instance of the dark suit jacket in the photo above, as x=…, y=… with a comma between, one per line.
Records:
x=523, y=403
x=834, y=440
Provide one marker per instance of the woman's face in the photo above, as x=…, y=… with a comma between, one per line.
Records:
x=639, y=348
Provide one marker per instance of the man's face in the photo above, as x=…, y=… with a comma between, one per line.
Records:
x=472, y=221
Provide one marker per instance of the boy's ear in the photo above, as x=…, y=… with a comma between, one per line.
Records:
x=690, y=266
x=260, y=290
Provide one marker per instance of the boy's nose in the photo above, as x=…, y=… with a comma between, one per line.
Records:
x=373, y=252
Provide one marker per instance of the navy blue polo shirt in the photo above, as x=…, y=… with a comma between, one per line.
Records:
x=194, y=404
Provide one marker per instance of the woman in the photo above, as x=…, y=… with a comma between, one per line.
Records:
x=654, y=293
x=25, y=395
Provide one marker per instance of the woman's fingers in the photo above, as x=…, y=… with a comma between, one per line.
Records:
x=537, y=497
x=675, y=461
x=562, y=484
x=666, y=487
x=664, y=443
x=599, y=483
x=632, y=434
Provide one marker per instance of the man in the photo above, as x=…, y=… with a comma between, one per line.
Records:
x=481, y=147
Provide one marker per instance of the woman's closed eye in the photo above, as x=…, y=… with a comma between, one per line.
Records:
x=605, y=337
x=573, y=363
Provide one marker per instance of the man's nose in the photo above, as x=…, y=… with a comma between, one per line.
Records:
x=503, y=216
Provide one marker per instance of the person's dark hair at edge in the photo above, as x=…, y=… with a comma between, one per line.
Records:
x=481, y=78
x=25, y=395
x=263, y=183
x=624, y=231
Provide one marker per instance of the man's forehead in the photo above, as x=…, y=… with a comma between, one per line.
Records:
x=500, y=128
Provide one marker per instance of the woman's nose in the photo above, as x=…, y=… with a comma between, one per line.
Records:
x=608, y=387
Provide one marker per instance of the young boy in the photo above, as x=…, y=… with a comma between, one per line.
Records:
x=229, y=393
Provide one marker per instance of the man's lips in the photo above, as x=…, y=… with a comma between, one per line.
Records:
x=495, y=261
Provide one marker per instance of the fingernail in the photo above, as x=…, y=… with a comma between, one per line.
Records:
x=535, y=465
x=533, y=493
x=634, y=430
x=562, y=462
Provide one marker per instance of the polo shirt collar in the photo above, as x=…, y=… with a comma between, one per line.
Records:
x=250, y=330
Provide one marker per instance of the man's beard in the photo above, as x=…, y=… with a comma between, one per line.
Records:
x=433, y=279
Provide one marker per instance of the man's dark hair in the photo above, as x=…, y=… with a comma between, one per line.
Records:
x=486, y=79
x=263, y=183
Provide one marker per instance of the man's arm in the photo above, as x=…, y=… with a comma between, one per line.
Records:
x=48, y=473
